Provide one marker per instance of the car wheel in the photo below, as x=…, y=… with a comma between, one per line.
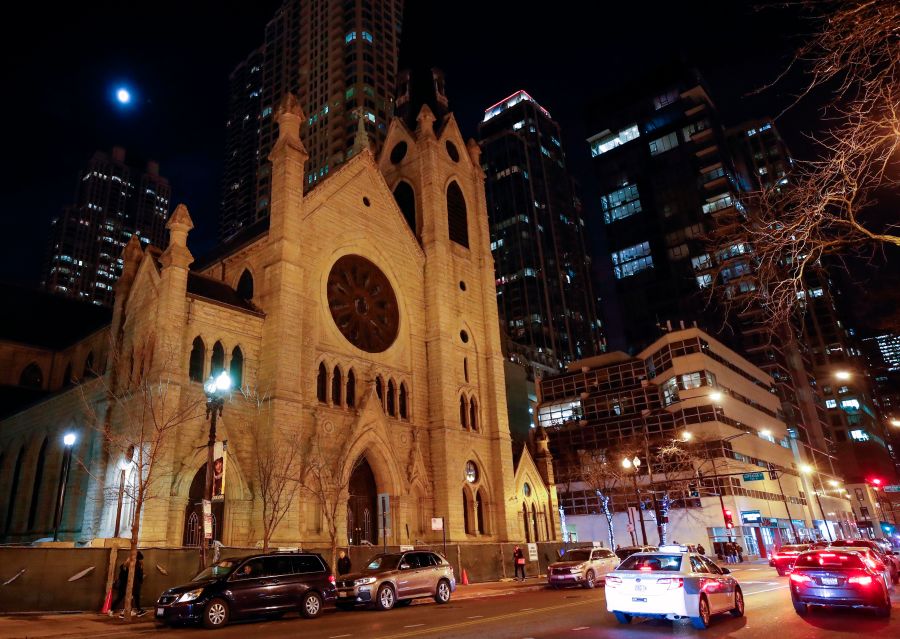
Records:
x=800, y=608
x=215, y=614
x=385, y=598
x=589, y=580
x=738, y=610
x=701, y=622
x=311, y=605
x=622, y=617
x=442, y=594
x=781, y=572
x=343, y=605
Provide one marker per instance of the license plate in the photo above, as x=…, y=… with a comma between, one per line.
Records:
x=640, y=588
x=829, y=581
x=342, y=594
x=159, y=612
x=642, y=599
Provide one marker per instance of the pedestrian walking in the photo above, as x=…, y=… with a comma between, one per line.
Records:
x=729, y=553
x=739, y=551
x=122, y=586
x=519, y=561
x=700, y=549
x=343, y=563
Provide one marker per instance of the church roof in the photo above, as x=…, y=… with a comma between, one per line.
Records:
x=216, y=291
x=45, y=320
x=236, y=242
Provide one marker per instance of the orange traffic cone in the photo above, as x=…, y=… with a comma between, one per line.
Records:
x=107, y=602
x=465, y=578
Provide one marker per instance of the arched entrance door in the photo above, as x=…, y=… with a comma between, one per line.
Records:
x=193, y=516
x=362, y=507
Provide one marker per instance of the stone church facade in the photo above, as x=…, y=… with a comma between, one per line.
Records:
x=364, y=312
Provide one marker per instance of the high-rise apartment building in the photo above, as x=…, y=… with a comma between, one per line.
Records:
x=113, y=201
x=544, y=290
x=340, y=58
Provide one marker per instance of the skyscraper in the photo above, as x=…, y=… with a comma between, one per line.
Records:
x=113, y=201
x=544, y=290
x=340, y=58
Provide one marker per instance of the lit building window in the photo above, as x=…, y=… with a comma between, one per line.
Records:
x=859, y=435
x=350, y=37
x=830, y=403
x=663, y=144
x=607, y=142
x=559, y=413
x=632, y=260
x=620, y=204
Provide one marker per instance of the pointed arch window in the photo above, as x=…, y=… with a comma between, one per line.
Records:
x=466, y=368
x=391, y=402
x=14, y=491
x=463, y=413
x=322, y=383
x=406, y=202
x=36, y=485
x=32, y=376
x=351, y=389
x=403, y=399
x=457, y=219
x=480, y=505
x=466, y=508
x=198, y=355
x=236, y=367
x=525, y=523
x=336, y=386
x=217, y=361
x=379, y=390
x=473, y=414
x=245, y=286
x=534, y=522
x=89, y=366
x=67, y=375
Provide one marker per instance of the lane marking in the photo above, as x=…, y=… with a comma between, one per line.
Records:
x=337, y=636
x=581, y=628
x=414, y=625
x=765, y=590
x=476, y=617
x=525, y=609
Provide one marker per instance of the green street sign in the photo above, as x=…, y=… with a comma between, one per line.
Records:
x=753, y=476
x=892, y=489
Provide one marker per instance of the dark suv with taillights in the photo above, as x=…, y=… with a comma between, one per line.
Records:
x=834, y=577
x=784, y=559
x=262, y=585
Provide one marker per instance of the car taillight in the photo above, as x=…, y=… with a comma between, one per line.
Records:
x=331, y=579
x=673, y=583
x=799, y=579
x=864, y=580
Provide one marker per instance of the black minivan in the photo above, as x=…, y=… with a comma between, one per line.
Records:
x=254, y=586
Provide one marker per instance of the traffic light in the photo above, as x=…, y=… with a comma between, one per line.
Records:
x=693, y=488
x=729, y=520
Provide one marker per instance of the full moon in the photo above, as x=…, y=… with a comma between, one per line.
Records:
x=123, y=96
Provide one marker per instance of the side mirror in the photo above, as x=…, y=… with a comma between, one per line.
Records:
x=404, y=566
x=725, y=571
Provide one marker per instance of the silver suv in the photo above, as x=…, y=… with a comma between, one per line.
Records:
x=395, y=579
x=584, y=566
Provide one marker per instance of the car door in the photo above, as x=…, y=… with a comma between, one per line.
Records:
x=425, y=579
x=244, y=585
x=277, y=585
x=726, y=584
x=604, y=561
x=408, y=574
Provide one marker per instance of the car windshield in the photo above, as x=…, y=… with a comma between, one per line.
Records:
x=383, y=562
x=652, y=563
x=577, y=555
x=829, y=560
x=220, y=569
x=849, y=543
x=794, y=548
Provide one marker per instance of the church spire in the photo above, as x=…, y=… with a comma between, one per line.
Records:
x=361, y=140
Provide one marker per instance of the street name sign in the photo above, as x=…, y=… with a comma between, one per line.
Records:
x=753, y=476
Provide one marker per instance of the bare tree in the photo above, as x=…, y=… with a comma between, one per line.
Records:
x=601, y=470
x=326, y=477
x=852, y=55
x=277, y=462
x=140, y=412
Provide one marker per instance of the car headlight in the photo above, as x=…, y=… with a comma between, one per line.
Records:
x=190, y=595
x=365, y=581
x=575, y=570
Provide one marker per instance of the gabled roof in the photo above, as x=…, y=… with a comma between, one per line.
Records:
x=45, y=320
x=216, y=291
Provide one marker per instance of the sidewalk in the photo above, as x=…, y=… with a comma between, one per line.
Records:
x=97, y=626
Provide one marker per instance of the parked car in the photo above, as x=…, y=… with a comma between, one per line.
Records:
x=783, y=559
x=395, y=579
x=259, y=585
x=837, y=577
x=581, y=566
x=672, y=583
x=890, y=558
x=625, y=552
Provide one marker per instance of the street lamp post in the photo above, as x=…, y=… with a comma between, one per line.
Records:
x=808, y=470
x=636, y=464
x=69, y=442
x=216, y=389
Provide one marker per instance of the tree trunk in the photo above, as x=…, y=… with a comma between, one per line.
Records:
x=132, y=556
x=609, y=521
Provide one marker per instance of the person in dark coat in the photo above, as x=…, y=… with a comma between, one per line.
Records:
x=700, y=549
x=122, y=586
x=519, y=561
x=343, y=563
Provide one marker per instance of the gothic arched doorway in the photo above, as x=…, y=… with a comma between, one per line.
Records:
x=362, y=506
x=193, y=516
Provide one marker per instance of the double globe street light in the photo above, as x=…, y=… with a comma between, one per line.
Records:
x=217, y=388
x=636, y=464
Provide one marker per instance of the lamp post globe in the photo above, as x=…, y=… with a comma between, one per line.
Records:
x=69, y=439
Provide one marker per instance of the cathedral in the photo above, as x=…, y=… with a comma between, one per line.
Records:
x=363, y=312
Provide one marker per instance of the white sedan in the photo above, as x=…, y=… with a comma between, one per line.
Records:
x=672, y=583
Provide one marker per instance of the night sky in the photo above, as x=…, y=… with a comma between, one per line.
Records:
x=64, y=64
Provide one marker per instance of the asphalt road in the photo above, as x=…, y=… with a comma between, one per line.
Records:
x=567, y=613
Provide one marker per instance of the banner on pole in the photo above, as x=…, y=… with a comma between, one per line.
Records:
x=218, y=489
x=207, y=520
